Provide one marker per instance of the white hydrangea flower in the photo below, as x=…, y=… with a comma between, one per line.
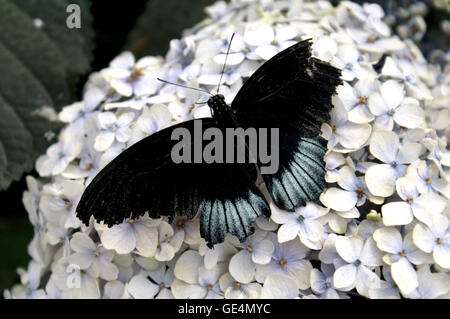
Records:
x=302, y=223
x=431, y=285
x=422, y=207
x=390, y=105
x=342, y=135
x=385, y=146
x=322, y=283
x=88, y=255
x=140, y=234
x=58, y=156
x=112, y=128
x=236, y=290
x=360, y=257
x=128, y=77
x=288, y=259
x=402, y=253
x=435, y=239
x=255, y=250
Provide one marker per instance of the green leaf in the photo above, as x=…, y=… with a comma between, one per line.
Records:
x=39, y=67
x=3, y=161
x=17, y=143
x=162, y=21
x=75, y=44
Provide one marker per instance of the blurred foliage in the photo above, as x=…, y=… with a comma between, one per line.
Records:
x=161, y=21
x=16, y=233
x=41, y=61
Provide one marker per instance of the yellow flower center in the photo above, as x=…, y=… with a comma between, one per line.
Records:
x=363, y=99
x=360, y=193
x=181, y=223
x=282, y=262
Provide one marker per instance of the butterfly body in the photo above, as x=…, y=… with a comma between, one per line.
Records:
x=291, y=92
x=222, y=113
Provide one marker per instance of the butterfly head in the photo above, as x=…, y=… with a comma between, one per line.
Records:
x=216, y=101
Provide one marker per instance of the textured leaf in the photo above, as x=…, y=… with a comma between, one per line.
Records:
x=17, y=143
x=40, y=64
x=75, y=44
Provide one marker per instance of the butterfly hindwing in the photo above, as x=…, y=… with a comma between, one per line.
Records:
x=231, y=206
x=301, y=174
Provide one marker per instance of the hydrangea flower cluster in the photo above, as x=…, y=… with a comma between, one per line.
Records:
x=380, y=230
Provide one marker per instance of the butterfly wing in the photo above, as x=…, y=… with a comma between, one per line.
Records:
x=143, y=178
x=292, y=91
x=301, y=174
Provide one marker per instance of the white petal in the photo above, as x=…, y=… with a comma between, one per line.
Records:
x=105, y=119
x=146, y=239
x=441, y=254
x=120, y=238
x=258, y=34
x=233, y=58
x=187, y=266
x=83, y=260
x=384, y=146
x=241, y=267
x=124, y=61
x=377, y=105
x=125, y=119
x=345, y=276
x=404, y=276
x=81, y=242
x=388, y=239
x=141, y=288
x=288, y=232
x=183, y=290
x=338, y=199
x=349, y=249
x=106, y=269
x=393, y=93
x=104, y=140
x=409, y=115
x=262, y=252
x=122, y=87
x=380, y=179
x=266, y=51
x=277, y=286
x=409, y=153
x=396, y=213
x=352, y=135
x=423, y=238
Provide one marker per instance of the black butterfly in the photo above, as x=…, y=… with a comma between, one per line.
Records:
x=292, y=91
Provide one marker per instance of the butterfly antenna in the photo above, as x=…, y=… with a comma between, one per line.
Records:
x=184, y=86
x=225, y=63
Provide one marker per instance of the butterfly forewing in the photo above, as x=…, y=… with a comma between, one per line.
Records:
x=144, y=178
